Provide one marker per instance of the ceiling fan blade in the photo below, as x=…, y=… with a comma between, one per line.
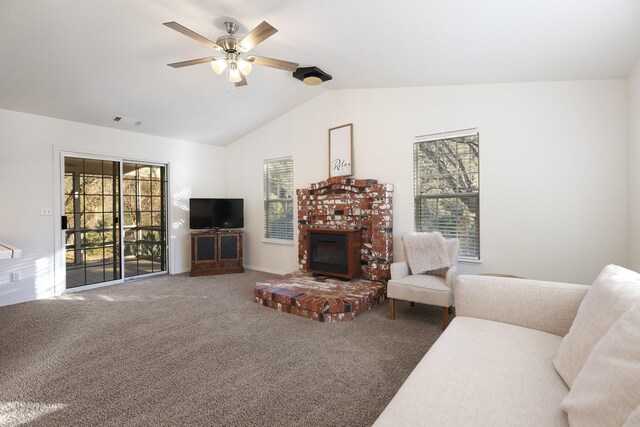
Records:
x=242, y=82
x=256, y=36
x=197, y=37
x=274, y=63
x=192, y=62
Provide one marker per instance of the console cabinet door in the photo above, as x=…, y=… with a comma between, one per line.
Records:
x=206, y=248
x=229, y=246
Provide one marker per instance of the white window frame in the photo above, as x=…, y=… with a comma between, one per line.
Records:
x=469, y=240
x=285, y=199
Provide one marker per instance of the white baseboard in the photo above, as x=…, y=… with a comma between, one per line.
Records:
x=17, y=301
x=26, y=299
x=267, y=270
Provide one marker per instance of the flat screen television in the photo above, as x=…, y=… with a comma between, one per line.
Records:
x=216, y=213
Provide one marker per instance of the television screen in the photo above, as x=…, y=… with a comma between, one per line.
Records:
x=216, y=213
x=228, y=213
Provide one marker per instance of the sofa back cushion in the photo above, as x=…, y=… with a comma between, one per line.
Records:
x=614, y=291
x=607, y=389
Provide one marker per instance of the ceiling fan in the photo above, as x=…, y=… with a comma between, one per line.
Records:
x=234, y=51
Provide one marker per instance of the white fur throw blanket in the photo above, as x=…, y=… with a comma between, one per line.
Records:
x=426, y=251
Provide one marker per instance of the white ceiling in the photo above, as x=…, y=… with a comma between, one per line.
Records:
x=90, y=60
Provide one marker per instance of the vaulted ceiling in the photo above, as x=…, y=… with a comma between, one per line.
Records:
x=91, y=60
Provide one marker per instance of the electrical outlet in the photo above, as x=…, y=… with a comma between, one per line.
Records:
x=15, y=276
x=45, y=211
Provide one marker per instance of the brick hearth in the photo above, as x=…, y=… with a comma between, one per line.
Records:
x=321, y=299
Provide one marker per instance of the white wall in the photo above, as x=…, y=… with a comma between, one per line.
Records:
x=244, y=180
x=634, y=168
x=30, y=180
x=553, y=178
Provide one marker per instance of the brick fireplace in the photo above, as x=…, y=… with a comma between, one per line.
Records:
x=360, y=206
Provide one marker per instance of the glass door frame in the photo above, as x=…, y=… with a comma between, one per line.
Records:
x=60, y=285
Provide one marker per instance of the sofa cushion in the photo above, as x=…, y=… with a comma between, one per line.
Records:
x=422, y=288
x=614, y=291
x=607, y=389
x=483, y=373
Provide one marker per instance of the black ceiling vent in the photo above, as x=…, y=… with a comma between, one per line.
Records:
x=312, y=76
x=127, y=120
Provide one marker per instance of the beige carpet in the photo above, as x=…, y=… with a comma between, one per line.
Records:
x=176, y=350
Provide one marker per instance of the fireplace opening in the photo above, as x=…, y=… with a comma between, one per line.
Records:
x=334, y=252
x=329, y=253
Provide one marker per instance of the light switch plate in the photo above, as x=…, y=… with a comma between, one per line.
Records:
x=45, y=211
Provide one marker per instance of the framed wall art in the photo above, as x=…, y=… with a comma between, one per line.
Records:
x=340, y=147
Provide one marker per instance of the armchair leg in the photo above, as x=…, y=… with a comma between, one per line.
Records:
x=392, y=309
x=445, y=317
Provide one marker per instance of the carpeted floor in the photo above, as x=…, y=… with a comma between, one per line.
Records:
x=175, y=350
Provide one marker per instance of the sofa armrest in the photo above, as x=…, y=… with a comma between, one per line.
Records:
x=399, y=269
x=545, y=306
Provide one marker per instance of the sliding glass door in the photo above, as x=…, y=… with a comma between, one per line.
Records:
x=115, y=220
x=144, y=216
x=91, y=211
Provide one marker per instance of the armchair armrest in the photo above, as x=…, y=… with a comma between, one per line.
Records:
x=451, y=275
x=545, y=306
x=399, y=269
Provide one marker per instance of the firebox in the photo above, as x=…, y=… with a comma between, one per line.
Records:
x=334, y=252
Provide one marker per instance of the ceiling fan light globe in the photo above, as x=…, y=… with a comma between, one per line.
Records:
x=245, y=67
x=234, y=75
x=218, y=65
x=312, y=80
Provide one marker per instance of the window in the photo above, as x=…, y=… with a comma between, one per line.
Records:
x=446, y=187
x=278, y=199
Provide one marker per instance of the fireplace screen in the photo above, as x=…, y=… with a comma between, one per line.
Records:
x=328, y=253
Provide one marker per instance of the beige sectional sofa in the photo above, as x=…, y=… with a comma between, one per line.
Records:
x=494, y=364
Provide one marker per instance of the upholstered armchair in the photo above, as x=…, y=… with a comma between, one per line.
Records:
x=433, y=288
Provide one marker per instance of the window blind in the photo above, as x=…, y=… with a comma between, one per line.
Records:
x=446, y=186
x=278, y=198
